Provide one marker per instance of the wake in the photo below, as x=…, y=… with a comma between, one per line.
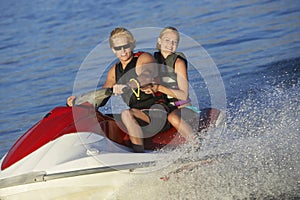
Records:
x=261, y=148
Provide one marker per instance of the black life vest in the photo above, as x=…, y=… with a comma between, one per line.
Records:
x=167, y=74
x=135, y=98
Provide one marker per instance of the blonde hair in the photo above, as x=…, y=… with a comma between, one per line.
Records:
x=120, y=31
x=167, y=29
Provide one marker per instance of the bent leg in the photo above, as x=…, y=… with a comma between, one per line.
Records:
x=175, y=118
x=133, y=128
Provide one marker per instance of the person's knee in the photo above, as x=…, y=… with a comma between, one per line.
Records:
x=170, y=117
x=173, y=118
x=126, y=115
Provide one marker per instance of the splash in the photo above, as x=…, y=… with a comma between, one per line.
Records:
x=261, y=144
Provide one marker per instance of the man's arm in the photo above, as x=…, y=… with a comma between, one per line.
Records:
x=110, y=79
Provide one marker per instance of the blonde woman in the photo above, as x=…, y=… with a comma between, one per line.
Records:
x=174, y=81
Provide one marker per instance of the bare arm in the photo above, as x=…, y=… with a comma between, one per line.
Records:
x=110, y=79
x=146, y=69
x=144, y=59
x=182, y=92
x=112, y=83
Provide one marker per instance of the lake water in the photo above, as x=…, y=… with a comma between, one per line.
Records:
x=254, y=45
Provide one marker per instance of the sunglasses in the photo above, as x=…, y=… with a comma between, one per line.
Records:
x=126, y=46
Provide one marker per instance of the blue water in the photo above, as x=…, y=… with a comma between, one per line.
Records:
x=254, y=44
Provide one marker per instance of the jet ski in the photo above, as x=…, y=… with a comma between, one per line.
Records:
x=75, y=148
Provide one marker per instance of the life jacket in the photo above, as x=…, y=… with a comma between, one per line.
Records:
x=167, y=74
x=135, y=98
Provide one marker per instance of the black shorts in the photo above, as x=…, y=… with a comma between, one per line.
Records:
x=158, y=122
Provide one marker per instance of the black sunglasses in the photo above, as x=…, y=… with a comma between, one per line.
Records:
x=126, y=46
